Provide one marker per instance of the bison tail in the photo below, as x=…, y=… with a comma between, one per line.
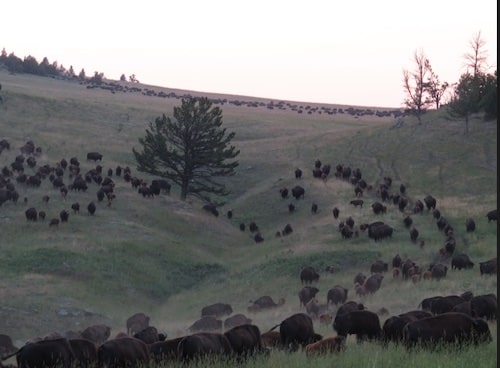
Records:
x=272, y=328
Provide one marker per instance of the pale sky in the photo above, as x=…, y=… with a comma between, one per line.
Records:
x=338, y=52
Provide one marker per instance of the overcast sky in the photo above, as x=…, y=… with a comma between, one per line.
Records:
x=339, y=52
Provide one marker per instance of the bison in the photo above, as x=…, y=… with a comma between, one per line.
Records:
x=95, y=156
x=203, y=344
x=236, y=320
x=373, y=283
x=123, y=352
x=336, y=295
x=449, y=327
x=44, y=353
x=245, y=340
x=308, y=275
x=362, y=323
x=217, y=310
x=206, y=323
x=297, y=330
x=334, y=344
x=461, y=261
x=470, y=225
x=306, y=294
x=488, y=267
x=264, y=302
x=298, y=192
x=485, y=306
x=163, y=351
x=492, y=215
x=137, y=322
x=379, y=266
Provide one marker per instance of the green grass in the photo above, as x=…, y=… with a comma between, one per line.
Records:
x=169, y=258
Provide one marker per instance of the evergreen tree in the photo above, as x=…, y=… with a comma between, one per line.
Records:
x=192, y=149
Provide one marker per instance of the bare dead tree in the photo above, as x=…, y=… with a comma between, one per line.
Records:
x=415, y=85
x=476, y=58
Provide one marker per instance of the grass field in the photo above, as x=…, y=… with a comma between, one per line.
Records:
x=169, y=258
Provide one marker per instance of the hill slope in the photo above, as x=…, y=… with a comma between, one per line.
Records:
x=169, y=258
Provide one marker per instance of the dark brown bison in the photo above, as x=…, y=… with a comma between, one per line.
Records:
x=306, y=294
x=31, y=214
x=438, y=271
x=137, y=322
x=336, y=295
x=297, y=330
x=359, y=278
x=85, y=352
x=94, y=156
x=445, y=304
x=97, y=333
x=123, y=352
x=379, y=230
x=470, y=225
x=91, y=208
x=245, y=340
x=430, y=202
x=449, y=328
x=464, y=307
x=149, y=335
x=488, y=267
x=492, y=215
x=397, y=261
x=362, y=323
x=485, y=306
x=217, y=310
x=392, y=329
x=206, y=323
x=378, y=208
x=333, y=344
x=271, y=339
x=298, y=173
x=379, y=266
x=357, y=202
x=335, y=212
x=44, y=353
x=264, y=302
x=298, y=192
x=236, y=320
x=373, y=283
x=6, y=345
x=308, y=275
x=203, y=344
x=349, y=306
x=461, y=261
x=164, y=351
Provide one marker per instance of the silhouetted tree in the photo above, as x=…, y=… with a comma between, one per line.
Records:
x=435, y=88
x=191, y=149
x=81, y=75
x=123, y=78
x=415, y=84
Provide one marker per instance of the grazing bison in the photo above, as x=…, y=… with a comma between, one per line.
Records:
x=461, y=261
x=378, y=208
x=203, y=344
x=298, y=192
x=123, y=352
x=336, y=295
x=438, y=271
x=379, y=266
x=245, y=340
x=308, y=275
x=357, y=202
x=392, y=329
x=137, y=322
x=94, y=156
x=149, y=335
x=306, y=294
x=362, y=323
x=236, y=320
x=45, y=353
x=379, y=230
x=488, y=267
x=449, y=328
x=206, y=323
x=492, y=215
x=334, y=344
x=297, y=330
x=164, y=351
x=445, y=304
x=264, y=302
x=85, y=352
x=485, y=306
x=217, y=310
x=373, y=283
x=97, y=333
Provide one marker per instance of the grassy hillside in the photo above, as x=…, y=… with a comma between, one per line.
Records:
x=170, y=258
